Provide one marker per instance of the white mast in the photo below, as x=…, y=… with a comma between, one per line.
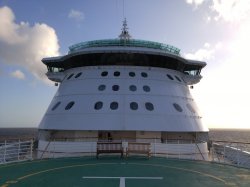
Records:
x=125, y=35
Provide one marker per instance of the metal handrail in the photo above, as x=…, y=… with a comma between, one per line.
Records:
x=128, y=43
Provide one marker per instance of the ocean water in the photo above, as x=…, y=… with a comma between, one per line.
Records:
x=232, y=135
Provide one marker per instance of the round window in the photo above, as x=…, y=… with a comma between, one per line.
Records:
x=98, y=105
x=132, y=74
x=69, y=77
x=132, y=88
x=113, y=105
x=143, y=74
x=116, y=73
x=177, y=107
x=190, y=108
x=102, y=87
x=149, y=106
x=78, y=75
x=104, y=74
x=56, y=105
x=178, y=78
x=69, y=105
x=146, y=88
x=133, y=106
x=170, y=77
x=115, y=87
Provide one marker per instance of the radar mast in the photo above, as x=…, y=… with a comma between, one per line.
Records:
x=125, y=34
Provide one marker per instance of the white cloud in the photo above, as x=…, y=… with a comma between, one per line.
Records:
x=25, y=45
x=76, y=15
x=231, y=10
x=195, y=2
x=203, y=54
x=18, y=74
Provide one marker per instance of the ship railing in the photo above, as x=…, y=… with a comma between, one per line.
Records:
x=233, y=153
x=182, y=149
x=16, y=151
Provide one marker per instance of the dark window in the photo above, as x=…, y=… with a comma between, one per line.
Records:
x=133, y=106
x=132, y=88
x=78, y=75
x=102, y=87
x=178, y=78
x=116, y=73
x=143, y=74
x=115, y=87
x=56, y=105
x=170, y=77
x=69, y=105
x=190, y=108
x=98, y=105
x=113, y=105
x=132, y=74
x=70, y=76
x=146, y=88
x=177, y=107
x=149, y=106
x=104, y=74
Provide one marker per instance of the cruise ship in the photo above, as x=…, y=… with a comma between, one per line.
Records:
x=123, y=116
x=126, y=90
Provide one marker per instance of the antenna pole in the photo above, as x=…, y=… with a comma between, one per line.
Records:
x=123, y=9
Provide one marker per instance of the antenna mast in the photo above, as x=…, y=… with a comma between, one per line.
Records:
x=124, y=35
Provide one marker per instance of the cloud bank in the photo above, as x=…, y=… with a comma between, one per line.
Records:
x=224, y=91
x=25, y=45
x=18, y=74
x=76, y=15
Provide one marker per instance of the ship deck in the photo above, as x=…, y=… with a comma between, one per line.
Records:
x=113, y=171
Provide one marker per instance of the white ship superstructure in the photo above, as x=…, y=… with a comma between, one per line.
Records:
x=124, y=90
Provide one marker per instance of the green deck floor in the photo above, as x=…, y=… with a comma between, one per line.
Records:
x=88, y=171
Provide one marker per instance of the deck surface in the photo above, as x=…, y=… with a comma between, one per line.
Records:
x=116, y=172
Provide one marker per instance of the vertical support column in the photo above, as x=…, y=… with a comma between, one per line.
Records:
x=31, y=149
x=238, y=155
x=18, y=151
x=4, y=154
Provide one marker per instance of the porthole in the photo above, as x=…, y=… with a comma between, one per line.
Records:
x=70, y=76
x=102, y=87
x=69, y=105
x=104, y=74
x=177, y=107
x=170, y=77
x=115, y=87
x=133, y=106
x=178, y=78
x=116, y=73
x=113, y=105
x=132, y=88
x=98, y=105
x=143, y=74
x=78, y=75
x=149, y=106
x=146, y=88
x=132, y=74
x=56, y=105
x=190, y=108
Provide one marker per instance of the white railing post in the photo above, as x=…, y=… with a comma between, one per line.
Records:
x=18, y=151
x=4, y=153
x=54, y=148
x=31, y=149
x=179, y=149
x=224, y=152
x=238, y=155
x=154, y=147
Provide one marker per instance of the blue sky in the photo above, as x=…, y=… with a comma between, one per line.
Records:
x=215, y=31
